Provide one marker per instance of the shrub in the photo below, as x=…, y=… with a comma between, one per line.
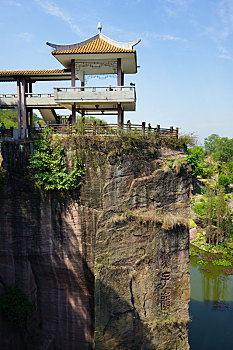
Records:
x=15, y=307
x=48, y=167
x=224, y=180
x=222, y=262
x=195, y=158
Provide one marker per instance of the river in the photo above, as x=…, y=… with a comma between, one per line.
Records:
x=211, y=306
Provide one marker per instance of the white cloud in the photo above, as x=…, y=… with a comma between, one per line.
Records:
x=173, y=7
x=14, y=3
x=226, y=17
x=222, y=50
x=177, y=2
x=164, y=37
x=25, y=36
x=54, y=10
x=225, y=57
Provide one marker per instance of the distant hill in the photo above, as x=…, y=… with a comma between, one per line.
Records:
x=10, y=118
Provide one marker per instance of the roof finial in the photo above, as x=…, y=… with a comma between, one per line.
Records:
x=99, y=27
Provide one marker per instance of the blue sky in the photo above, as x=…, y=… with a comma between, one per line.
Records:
x=185, y=77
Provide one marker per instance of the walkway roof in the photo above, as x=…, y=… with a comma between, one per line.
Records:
x=35, y=75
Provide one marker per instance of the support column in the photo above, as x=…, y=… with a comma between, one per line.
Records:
x=19, y=107
x=73, y=85
x=73, y=73
x=27, y=109
x=24, y=107
x=119, y=72
x=82, y=88
x=120, y=120
x=31, y=109
x=120, y=82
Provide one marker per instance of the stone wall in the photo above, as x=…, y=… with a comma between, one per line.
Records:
x=107, y=264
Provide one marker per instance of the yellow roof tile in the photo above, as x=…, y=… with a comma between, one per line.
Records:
x=22, y=72
x=96, y=46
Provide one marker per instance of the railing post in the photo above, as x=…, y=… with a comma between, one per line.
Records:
x=12, y=131
x=171, y=131
x=177, y=131
x=94, y=127
x=143, y=127
x=158, y=129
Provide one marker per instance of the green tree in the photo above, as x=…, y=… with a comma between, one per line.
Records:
x=195, y=159
x=224, y=180
x=224, y=150
x=220, y=211
x=211, y=143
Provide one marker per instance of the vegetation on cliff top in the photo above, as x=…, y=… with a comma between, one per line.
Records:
x=212, y=199
x=48, y=167
x=10, y=118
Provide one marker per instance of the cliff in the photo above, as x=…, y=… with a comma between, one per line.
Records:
x=107, y=264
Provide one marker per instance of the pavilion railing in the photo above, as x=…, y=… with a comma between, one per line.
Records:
x=110, y=129
x=6, y=133
x=94, y=88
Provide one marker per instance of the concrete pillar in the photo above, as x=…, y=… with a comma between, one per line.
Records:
x=19, y=106
x=24, y=107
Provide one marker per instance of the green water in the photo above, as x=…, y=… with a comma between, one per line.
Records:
x=211, y=307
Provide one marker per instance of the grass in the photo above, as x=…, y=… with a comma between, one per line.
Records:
x=152, y=216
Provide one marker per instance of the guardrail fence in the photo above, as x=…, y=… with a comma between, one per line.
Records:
x=112, y=129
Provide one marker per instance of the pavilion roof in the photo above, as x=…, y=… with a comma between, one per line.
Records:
x=99, y=43
x=96, y=46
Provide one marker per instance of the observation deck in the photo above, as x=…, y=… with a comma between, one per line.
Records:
x=96, y=98
x=32, y=100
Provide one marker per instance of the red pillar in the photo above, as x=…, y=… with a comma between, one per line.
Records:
x=82, y=113
x=73, y=73
x=119, y=72
x=120, y=82
x=120, y=120
x=19, y=106
x=27, y=109
x=73, y=85
x=31, y=110
x=24, y=107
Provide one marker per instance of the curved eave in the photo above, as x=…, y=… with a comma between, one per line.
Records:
x=120, y=45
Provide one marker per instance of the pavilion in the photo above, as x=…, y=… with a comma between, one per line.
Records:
x=98, y=55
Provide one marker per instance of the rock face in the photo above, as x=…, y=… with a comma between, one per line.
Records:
x=106, y=266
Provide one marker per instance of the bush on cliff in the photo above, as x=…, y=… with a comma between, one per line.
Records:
x=48, y=167
x=15, y=307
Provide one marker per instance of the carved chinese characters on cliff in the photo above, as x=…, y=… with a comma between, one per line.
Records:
x=165, y=294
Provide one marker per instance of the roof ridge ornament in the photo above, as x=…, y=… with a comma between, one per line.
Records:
x=124, y=46
x=99, y=27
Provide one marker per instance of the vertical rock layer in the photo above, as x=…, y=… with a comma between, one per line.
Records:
x=107, y=264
